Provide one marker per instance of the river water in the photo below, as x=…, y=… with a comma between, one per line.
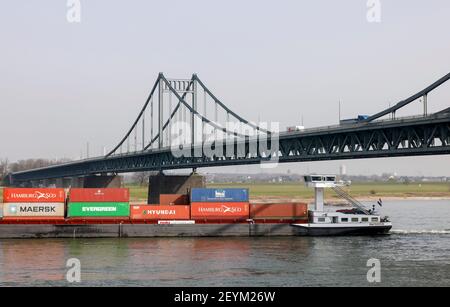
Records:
x=417, y=253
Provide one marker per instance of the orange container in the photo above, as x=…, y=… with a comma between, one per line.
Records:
x=173, y=199
x=13, y=195
x=219, y=211
x=99, y=195
x=279, y=211
x=160, y=212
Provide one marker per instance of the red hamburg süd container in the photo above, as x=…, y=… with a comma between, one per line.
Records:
x=99, y=195
x=279, y=211
x=14, y=195
x=139, y=212
x=220, y=211
x=173, y=199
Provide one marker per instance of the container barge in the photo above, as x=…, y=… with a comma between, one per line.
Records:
x=107, y=213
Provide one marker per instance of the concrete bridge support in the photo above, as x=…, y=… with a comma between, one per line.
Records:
x=103, y=181
x=162, y=184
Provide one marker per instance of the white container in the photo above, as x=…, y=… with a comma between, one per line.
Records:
x=33, y=210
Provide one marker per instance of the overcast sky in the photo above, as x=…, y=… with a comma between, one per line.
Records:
x=65, y=84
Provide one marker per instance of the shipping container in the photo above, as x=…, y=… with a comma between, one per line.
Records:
x=160, y=212
x=1, y=211
x=14, y=195
x=35, y=219
x=173, y=199
x=279, y=211
x=33, y=210
x=99, y=195
x=97, y=209
x=220, y=211
x=219, y=195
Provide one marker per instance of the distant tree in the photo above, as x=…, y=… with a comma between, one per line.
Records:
x=141, y=178
x=24, y=165
x=4, y=169
x=28, y=164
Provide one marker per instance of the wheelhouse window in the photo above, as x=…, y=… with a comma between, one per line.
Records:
x=345, y=220
x=321, y=220
x=365, y=219
x=374, y=219
x=355, y=219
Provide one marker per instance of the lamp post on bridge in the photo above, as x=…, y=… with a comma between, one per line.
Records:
x=160, y=111
x=194, y=107
x=425, y=105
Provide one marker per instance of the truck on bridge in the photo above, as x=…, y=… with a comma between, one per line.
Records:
x=295, y=128
x=359, y=119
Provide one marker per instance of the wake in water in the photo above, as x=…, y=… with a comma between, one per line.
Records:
x=420, y=232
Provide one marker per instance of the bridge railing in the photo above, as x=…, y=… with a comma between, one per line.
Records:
x=382, y=121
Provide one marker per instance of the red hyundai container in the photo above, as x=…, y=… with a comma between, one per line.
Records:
x=173, y=199
x=279, y=211
x=220, y=211
x=14, y=195
x=99, y=195
x=160, y=212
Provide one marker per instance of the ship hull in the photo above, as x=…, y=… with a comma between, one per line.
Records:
x=305, y=230
x=23, y=231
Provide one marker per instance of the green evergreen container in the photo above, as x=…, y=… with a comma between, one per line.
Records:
x=99, y=209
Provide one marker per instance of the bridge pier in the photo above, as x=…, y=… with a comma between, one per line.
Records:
x=162, y=184
x=103, y=181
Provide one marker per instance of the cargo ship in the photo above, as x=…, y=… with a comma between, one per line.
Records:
x=108, y=213
x=356, y=221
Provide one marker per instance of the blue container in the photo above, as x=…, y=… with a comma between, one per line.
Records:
x=219, y=195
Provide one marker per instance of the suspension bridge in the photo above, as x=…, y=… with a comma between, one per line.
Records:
x=183, y=125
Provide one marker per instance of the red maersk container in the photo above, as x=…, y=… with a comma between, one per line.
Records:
x=12, y=195
x=99, y=195
x=220, y=211
x=287, y=211
x=160, y=212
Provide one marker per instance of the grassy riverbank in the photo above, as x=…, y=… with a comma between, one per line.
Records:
x=359, y=190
